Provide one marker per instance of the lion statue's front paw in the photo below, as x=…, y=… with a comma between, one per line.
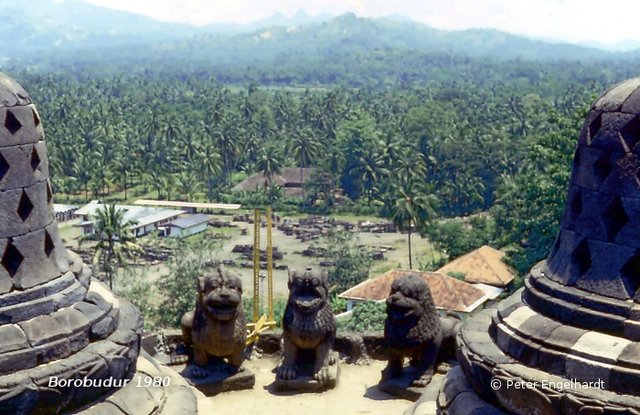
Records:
x=199, y=372
x=322, y=375
x=287, y=372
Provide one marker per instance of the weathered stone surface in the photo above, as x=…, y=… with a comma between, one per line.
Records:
x=401, y=386
x=220, y=378
x=613, y=99
x=309, y=330
x=306, y=383
x=13, y=338
x=22, y=128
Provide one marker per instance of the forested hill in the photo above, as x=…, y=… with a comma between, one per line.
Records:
x=71, y=34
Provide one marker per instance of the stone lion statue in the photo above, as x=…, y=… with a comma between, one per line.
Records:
x=309, y=327
x=412, y=329
x=217, y=326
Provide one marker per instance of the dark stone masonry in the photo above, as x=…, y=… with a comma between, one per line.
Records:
x=67, y=344
x=567, y=343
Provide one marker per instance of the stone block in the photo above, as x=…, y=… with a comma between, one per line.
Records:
x=27, y=310
x=43, y=329
x=222, y=379
x=17, y=360
x=10, y=223
x=586, y=370
x=632, y=104
x=21, y=173
x=623, y=380
x=607, y=137
x=35, y=268
x=133, y=400
x=13, y=338
x=615, y=97
x=53, y=350
x=584, y=176
x=23, y=129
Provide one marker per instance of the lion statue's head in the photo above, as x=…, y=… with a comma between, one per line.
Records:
x=308, y=292
x=411, y=312
x=220, y=295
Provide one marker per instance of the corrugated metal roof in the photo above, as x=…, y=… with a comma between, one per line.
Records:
x=178, y=204
x=448, y=293
x=143, y=216
x=190, y=221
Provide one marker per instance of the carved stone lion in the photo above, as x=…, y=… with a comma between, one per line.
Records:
x=309, y=327
x=412, y=329
x=217, y=326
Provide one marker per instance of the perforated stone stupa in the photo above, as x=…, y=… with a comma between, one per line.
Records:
x=568, y=342
x=66, y=343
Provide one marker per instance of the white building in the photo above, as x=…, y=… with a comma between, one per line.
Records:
x=188, y=225
x=146, y=219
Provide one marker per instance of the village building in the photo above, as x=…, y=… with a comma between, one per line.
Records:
x=186, y=226
x=290, y=179
x=481, y=266
x=449, y=294
x=64, y=212
x=146, y=219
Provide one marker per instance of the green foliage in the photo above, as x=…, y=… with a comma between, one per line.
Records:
x=135, y=287
x=456, y=237
x=457, y=275
x=279, y=305
x=352, y=262
x=177, y=288
x=115, y=241
x=530, y=203
x=366, y=316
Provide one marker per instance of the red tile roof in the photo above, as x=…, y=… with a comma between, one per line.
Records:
x=484, y=265
x=448, y=293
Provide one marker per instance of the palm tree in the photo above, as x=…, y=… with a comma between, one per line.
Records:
x=270, y=164
x=413, y=206
x=305, y=148
x=115, y=240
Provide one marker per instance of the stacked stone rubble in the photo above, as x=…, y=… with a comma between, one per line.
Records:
x=568, y=342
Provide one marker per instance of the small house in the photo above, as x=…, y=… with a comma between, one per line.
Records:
x=449, y=294
x=186, y=226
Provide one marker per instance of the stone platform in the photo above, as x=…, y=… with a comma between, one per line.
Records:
x=306, y=383
x=221, y=378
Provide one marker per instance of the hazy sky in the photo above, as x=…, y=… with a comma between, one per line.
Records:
x=572, y=20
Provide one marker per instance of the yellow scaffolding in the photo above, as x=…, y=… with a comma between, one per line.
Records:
x=260, y=321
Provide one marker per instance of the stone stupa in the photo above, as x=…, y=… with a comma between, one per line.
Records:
x=67, y=343
x=569, y=341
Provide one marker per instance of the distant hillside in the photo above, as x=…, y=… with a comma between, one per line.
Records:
x=79, y=38
x=44, y=25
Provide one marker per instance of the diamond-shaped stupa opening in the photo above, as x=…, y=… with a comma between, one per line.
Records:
x=24, y=206
x=576, y=205
x=602, y=168
x=49, y=192
x=614, y=218
x=594, y=127
x=580, y=259
x=4, y=166
x=631, y=132
x=35, y=159
x=11, y=123
x=36, y=118
x=630, y=274
x=48, y=244
x=11, y=259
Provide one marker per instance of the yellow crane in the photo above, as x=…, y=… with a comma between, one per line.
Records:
x=262, y=321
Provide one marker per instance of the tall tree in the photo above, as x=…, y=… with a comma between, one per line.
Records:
x=115, y=240
x=413, y=206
